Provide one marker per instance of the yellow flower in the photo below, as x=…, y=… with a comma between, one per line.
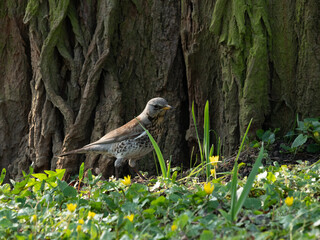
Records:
x=127, y=180
x=91, y=215
x=130, y=217
x=212, y=171
x=316, y=134
x=289, y=201
x=214, y=160
x=34, y=218
x=208, y=188
x=81, y=221
x=174, y=227
x=79, y=228
x=71, y=207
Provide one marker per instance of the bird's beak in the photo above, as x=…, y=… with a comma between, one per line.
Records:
x=167, y=107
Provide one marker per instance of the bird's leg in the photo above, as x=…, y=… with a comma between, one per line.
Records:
x=132, y=164
x=117, y=172
x=117, y=164
x=136, y=170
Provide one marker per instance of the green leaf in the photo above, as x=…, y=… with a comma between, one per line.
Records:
x=259, y=133
x=271, y=177
x=40, y=176
x=268, y=137
x=182, y=220
x=90, y=178
x=249, y=183
x=195, y=126
x=3, y=175
x=206, y=235
x=67, y=190
x=159, y=201
x=81, y=171
x=313, y=148
x=252, y=203
x=174, y=176
x=234, y=210
x=148, y=212
x=206, y=139
x=225, y=214
x=299, y=141
x=158, y=153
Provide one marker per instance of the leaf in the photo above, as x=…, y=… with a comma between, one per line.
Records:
x=81, y=171
x=248, y=185
x=90, y=175
x=206, y=139
x=268, y=137
x=148, y=212
x=234, y=181
x=225, y=214
x=182, y=220
x=159, y=201
x=252, y=203
x=40, y=176
x=174, y=176
x=206, y=235
x=158, y=152
x=299, y=141
x=271, y=177
x=67, y=190
x=313, y=148
x=259, y=133
x=195, y=126
x=3, y=175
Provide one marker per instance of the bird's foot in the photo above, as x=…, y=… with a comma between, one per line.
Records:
x=140, y=175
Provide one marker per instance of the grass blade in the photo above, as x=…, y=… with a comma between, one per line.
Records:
x=249, y=183
x=158, y=153
x=234, y=181
x=195, y=126
x=206, y=138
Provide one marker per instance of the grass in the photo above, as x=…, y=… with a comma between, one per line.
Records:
x=273, y=202
x=37, y=207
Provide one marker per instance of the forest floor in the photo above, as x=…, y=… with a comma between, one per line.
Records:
x=281, y=202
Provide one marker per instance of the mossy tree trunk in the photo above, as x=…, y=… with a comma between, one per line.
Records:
x=73, y=71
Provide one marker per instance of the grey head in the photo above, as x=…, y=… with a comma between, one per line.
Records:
x=156, y=107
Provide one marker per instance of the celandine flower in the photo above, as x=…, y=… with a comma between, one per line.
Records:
x=208, y=188
x=34, y=218
x=214, y=160
x=79, y=228
x=127, y=180
x=289, y=201
x=71, y=207
x=91, y=215
x=130, y=217
x=174, y=227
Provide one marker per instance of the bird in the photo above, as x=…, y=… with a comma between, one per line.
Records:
x=130, y=142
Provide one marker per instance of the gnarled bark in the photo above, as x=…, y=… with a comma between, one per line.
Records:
x=93, y=66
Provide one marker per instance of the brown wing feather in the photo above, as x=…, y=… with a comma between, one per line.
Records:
x=129, y=130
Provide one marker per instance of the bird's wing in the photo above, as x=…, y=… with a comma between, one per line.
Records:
x=131, y=129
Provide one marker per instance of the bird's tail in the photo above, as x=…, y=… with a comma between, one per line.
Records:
x=77, y=151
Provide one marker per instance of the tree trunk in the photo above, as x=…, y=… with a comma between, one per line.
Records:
x=93, y=65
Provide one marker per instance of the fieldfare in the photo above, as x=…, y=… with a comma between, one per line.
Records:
x=130, y=141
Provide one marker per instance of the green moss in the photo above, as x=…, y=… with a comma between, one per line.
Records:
x=244, y=32
x=31, y=10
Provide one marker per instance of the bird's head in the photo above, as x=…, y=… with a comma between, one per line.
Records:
x=156, y=107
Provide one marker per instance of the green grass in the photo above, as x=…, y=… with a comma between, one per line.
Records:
x=39, y=206
x=157, y=205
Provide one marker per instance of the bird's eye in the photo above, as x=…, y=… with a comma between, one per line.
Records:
x=157, y=106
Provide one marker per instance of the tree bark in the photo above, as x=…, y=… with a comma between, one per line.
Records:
x=72, y=71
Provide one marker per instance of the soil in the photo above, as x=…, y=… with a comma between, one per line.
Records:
x=275, y=154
